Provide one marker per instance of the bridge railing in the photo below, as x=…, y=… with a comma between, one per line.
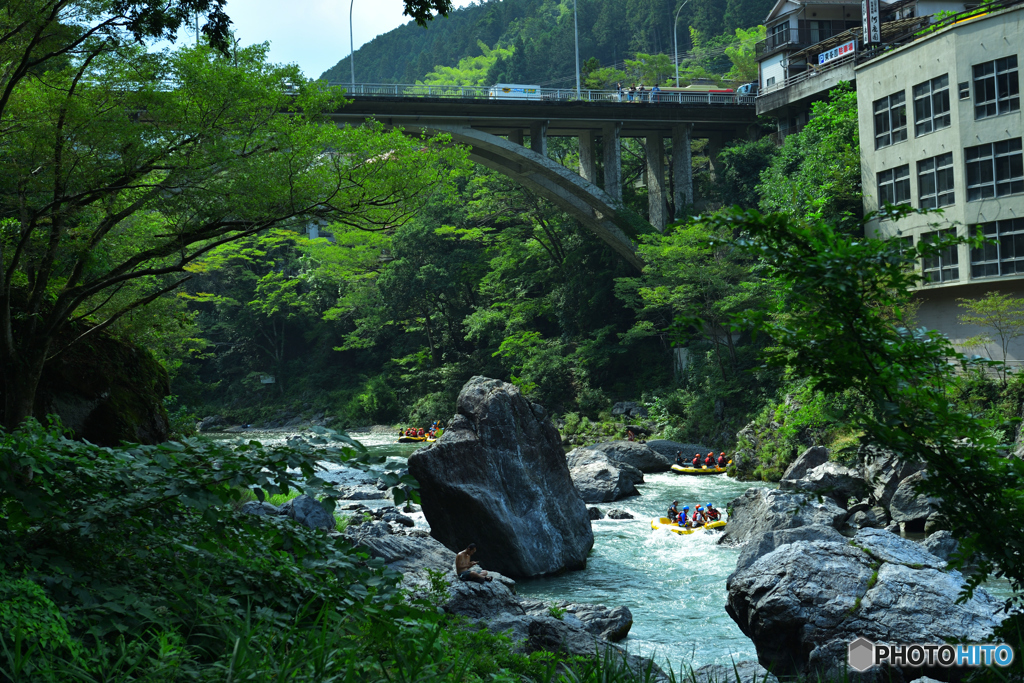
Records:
x=540, y=94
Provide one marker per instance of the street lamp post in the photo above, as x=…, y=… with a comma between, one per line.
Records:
x=352, y=46
x=675, y=38
x=576, y=23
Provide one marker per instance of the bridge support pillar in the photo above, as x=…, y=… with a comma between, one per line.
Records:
x=682, y=169
x=539, y=137
x=588, y=156
x=516, y=137
x=657, y=212
x=612, y=160
x=715, y=145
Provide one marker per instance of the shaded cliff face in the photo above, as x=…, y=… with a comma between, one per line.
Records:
x=498, y=478
x=106, y=391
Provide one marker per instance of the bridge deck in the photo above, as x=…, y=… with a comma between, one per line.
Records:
x=563, y=117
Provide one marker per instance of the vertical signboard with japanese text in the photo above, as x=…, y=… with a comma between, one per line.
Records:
x=872, y=21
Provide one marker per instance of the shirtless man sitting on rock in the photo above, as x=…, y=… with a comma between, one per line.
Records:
x=464, y=564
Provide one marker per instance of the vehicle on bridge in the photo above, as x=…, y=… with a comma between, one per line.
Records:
x=514, y=91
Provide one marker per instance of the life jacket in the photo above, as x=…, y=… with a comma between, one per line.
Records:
x=708, y=461
x=721, y=461
x=682, y=518
x=698, y=517
x=420, y=432
x=714, y=515
x=696, y=461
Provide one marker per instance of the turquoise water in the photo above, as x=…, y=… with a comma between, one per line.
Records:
x=674, y=585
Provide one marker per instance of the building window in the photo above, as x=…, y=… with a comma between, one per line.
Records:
x=770, y=82
x=1004, y=255
x=944, y=267
x=778, y=35
x=965, y=90
x=935, y=181
x=894, y=186
x=819, y=30
x=931, y=105
x=996, y=87
x=890, y=120
x=994, y=170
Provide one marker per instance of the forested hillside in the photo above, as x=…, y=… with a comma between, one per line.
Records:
x=542, y=33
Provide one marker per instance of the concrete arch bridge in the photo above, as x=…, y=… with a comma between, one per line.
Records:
x=494, y=130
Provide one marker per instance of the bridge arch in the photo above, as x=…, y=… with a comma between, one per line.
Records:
x=578, y=197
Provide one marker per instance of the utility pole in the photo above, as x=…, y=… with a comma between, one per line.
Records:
x=352, y=45
x=576, y=22
x=675, y=38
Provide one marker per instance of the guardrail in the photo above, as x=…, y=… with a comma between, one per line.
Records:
x=810, y=73
x=542, y=94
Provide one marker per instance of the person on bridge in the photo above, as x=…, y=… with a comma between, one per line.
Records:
x=655, y=93
x=632, y=92
x=618, y=89
x=643, y=92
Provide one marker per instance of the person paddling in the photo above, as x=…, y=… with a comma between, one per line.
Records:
x=696, y=460
x=712, y=514
x=673, y=511
x=722, y=462
x=681, y=520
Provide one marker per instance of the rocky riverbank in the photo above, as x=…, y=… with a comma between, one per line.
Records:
x=824, y=562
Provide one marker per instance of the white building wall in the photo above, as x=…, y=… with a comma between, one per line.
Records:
x=953, y=51
x=772, y=68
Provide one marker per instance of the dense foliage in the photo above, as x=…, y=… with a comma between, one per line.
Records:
x=542, y=34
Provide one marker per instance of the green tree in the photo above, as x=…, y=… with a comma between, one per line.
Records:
x=111, y=177
x=841, y=325
x=817, y=171
x=1002, y=314
x=470, y=70
x=650, y=69
x=742, y=54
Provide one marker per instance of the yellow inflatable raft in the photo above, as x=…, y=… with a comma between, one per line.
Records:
x=664, y=523
x=415, y=439
x=679, y=469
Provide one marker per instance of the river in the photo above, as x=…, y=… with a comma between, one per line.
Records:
x=674, y=585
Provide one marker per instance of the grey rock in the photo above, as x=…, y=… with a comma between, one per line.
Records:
x=498, y=476
x=941, y=544
x=599, y=479
x=805, y=462
x=797, y=602
x=771, y=540
x=861, y=516
x=254, y=507
x=883, y=472
x=408, y=553
x=886, y=547
x=360, y=493
x=595, y=514
x=358, y=534
x=761, y=510
x=893, y=527
x=398, y=519
x=624, y=407
x=669, y=449
x=634, y=453
x=210, y=423
x=907, y=505
x=609, y=624
x=616, y=513
x=830, y=479
x=935, y=522
x=308, y=511
x=747, y=671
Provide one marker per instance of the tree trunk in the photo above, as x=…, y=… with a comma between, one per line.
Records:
x=21, y=375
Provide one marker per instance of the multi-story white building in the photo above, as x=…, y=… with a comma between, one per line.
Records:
x=941, y=128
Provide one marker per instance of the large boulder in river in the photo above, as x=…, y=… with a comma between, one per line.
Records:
x=838, y=482
x=803, y=603
x=599, y=479
x=498, y=477
x=633, y=453
x=761, y=510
